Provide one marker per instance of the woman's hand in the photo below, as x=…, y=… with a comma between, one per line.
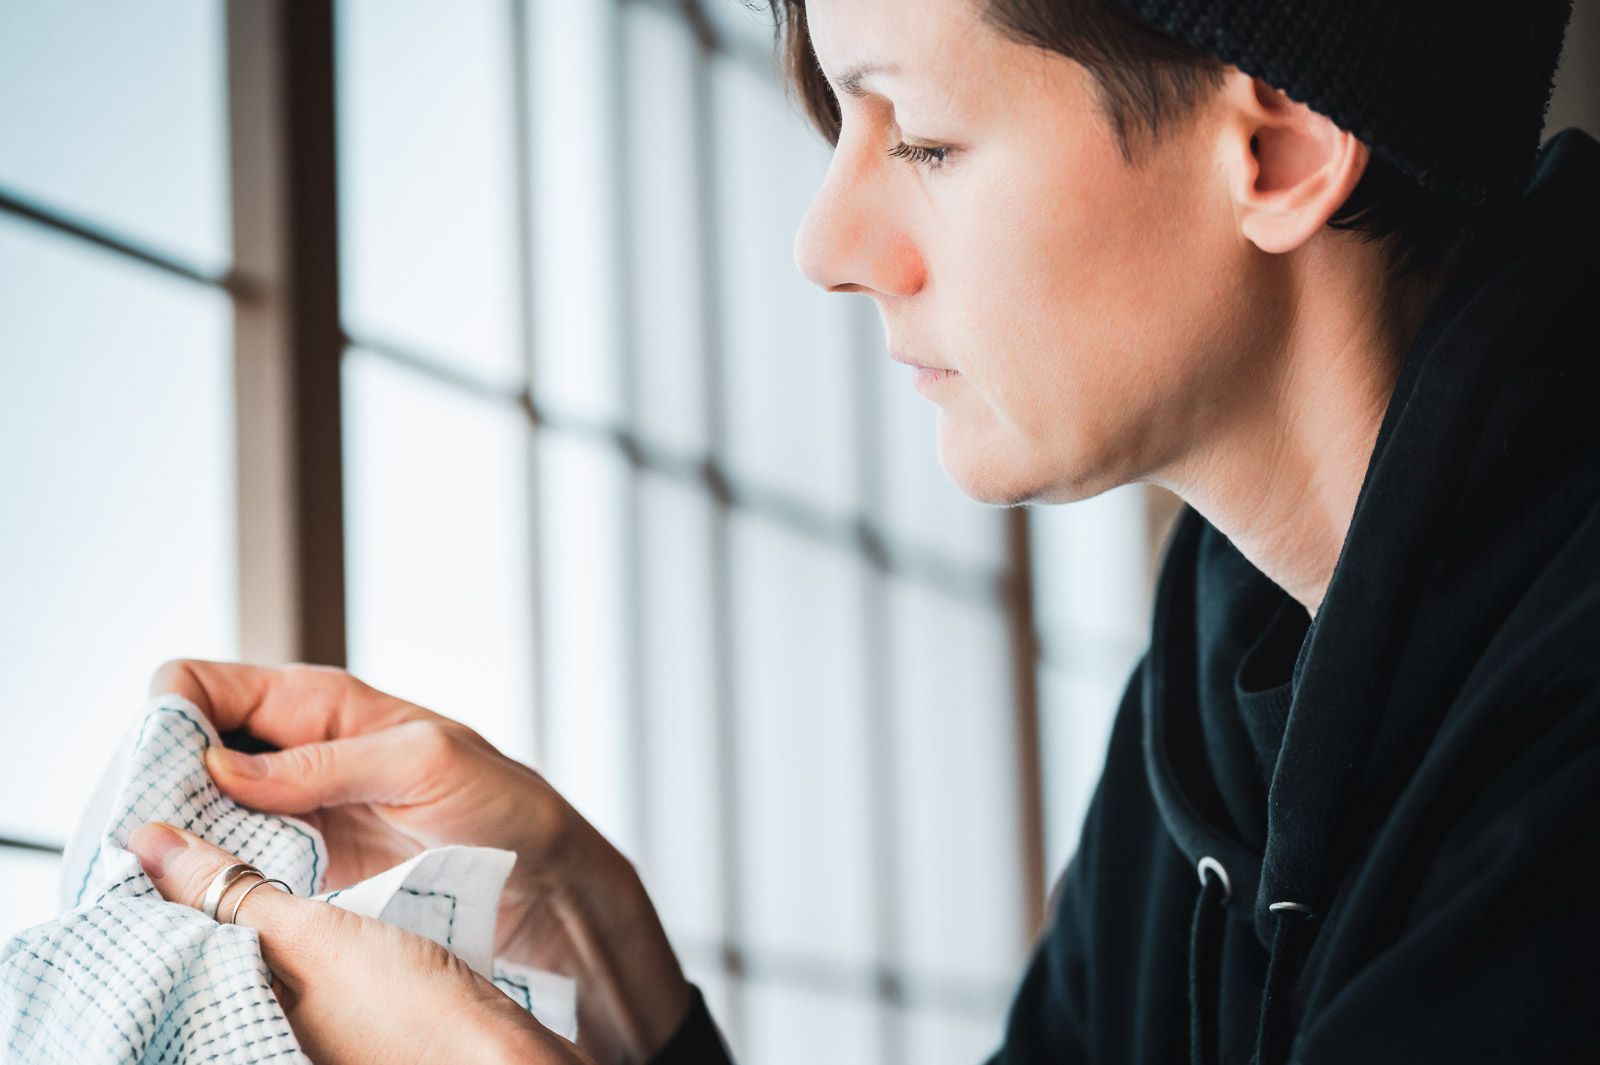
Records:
x=327, y=964
x=383, y=779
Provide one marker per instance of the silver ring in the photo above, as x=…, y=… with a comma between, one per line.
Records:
x=233, y=918
x=220, y=884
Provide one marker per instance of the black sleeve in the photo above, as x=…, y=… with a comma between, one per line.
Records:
x=1046, y=1022
x=697, y=1041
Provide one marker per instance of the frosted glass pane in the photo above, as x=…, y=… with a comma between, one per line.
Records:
x=437, y=549
x=1091, y=571
x=788, y=348
x=934, y=1038
x=1076, y=710
x=588, y=756
x=116, y=507
x=667, y=264
x=803, y=805
x=117, y=114
x=27, y=889
x=798, y=1026
x=427, y=179
x=576, y=185
x=919, y=506
x=960, y=912
x=683, y=867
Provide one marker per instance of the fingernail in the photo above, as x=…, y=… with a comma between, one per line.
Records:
x=155, y=844
x=238, y=763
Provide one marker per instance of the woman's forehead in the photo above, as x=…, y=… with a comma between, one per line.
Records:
x=920, y=53
x=891, y=38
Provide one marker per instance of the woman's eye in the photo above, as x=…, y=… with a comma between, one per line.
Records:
x=928, y=157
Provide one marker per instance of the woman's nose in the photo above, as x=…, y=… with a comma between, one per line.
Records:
x=852, y=239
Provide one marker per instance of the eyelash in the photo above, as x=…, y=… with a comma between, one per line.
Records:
x=916, y=153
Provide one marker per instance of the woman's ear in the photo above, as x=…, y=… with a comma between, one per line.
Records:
x=1289, y=167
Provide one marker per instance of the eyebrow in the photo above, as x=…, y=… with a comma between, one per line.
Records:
x=850, y=81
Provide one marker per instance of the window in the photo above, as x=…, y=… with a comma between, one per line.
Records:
x=116, y=415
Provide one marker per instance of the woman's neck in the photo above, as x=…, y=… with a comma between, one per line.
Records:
x=1282, y=478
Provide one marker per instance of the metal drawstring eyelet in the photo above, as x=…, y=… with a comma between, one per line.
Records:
x=1216, y=867
x=1293, y=907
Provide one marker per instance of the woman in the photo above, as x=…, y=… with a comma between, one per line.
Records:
x=1341, y=331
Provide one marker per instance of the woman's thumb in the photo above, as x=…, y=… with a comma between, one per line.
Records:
x=298, y=780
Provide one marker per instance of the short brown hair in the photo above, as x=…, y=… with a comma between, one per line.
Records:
x=1148, y=80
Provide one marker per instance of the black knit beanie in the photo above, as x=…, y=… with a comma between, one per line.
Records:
x=1452, y=92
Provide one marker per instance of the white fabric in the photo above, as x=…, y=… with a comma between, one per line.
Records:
x=123, y=976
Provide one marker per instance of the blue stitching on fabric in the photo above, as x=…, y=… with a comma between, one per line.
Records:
x=296, y=829
x=527, y=992
x=94, y=858
x=450, y=929
x=183, y=715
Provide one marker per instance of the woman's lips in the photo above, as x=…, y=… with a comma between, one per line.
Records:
x=924, y=376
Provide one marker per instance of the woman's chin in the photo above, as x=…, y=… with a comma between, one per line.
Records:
x=986, y=472
x=1003, y=470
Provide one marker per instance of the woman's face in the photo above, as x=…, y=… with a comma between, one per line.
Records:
x=1093, y=310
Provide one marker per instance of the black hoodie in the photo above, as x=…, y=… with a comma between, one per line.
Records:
x=1366, y=838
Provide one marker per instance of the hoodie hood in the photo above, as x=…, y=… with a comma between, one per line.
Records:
x=1486, y=464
